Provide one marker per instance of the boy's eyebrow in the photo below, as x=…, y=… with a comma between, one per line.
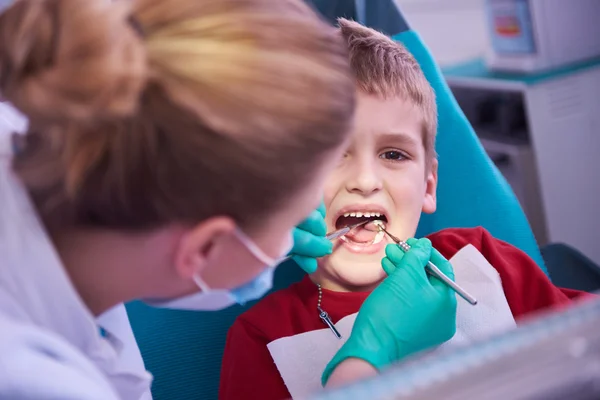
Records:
x=397, y=137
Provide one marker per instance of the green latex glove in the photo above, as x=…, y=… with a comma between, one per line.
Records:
x=310, y=242
x=407, y=313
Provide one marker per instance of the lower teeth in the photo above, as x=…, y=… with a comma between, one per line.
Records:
x=379, y=237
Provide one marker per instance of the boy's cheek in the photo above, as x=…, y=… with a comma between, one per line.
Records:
x=328, y=194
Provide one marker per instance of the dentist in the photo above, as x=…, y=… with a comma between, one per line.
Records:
x=146, y=171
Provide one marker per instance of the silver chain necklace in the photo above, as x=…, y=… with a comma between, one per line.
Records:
x=324, y=316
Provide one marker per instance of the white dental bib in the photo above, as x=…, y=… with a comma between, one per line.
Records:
x=302, y=358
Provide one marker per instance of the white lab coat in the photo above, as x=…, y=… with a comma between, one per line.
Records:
x=50, y=344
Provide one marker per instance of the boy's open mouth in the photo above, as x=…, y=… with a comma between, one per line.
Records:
x=364, y=235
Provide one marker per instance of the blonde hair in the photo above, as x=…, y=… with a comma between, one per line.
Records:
x=150, y=112
x=384, y=68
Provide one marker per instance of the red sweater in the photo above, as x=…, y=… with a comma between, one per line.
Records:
x=249, y=372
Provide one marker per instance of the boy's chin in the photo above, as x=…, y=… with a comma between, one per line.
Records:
x=363, y=282
x=356, y=275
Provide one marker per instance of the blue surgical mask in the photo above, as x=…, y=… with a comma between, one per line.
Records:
x=217, y=299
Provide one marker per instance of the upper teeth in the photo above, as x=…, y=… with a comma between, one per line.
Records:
x=362, y=214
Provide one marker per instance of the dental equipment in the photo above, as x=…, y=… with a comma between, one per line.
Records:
x=333, y=236
x=344, y=231
x=431, y=268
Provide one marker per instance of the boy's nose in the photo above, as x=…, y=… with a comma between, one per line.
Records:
x=364, y=179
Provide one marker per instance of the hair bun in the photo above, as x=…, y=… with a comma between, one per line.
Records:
x=71, y=60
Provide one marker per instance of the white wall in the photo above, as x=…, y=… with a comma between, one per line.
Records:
x=454, y=30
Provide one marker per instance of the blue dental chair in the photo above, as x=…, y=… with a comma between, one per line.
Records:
x=183, y=349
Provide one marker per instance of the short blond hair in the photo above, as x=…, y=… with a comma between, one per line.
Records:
x=384, y=68
x=150, y=112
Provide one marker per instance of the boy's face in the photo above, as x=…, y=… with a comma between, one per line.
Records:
x=383, y=174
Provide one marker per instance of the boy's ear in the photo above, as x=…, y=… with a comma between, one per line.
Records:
x=430, y=199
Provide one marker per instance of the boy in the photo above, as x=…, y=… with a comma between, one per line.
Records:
x=280, y=347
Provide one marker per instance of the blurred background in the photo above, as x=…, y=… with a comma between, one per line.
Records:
x=527, y=75
x=454, y=30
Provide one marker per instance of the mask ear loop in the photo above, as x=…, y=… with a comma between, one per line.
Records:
x=254, y=249
x=201, y=284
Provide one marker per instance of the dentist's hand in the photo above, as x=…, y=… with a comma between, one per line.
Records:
x=395, y=254
x=407, y=313
x=310, y=242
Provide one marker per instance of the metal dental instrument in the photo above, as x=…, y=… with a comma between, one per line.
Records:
x=333, y=235
x=433, y=270
x=341, y=232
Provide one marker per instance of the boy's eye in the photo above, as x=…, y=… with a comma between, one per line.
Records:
x=393, y=155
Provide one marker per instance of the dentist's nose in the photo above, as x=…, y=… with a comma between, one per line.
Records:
x=364, y=177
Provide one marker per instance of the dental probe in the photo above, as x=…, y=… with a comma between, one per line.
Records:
x=341, y=232
x=431, y=268
x=332, y=236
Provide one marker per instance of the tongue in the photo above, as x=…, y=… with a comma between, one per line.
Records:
x=361, y=235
